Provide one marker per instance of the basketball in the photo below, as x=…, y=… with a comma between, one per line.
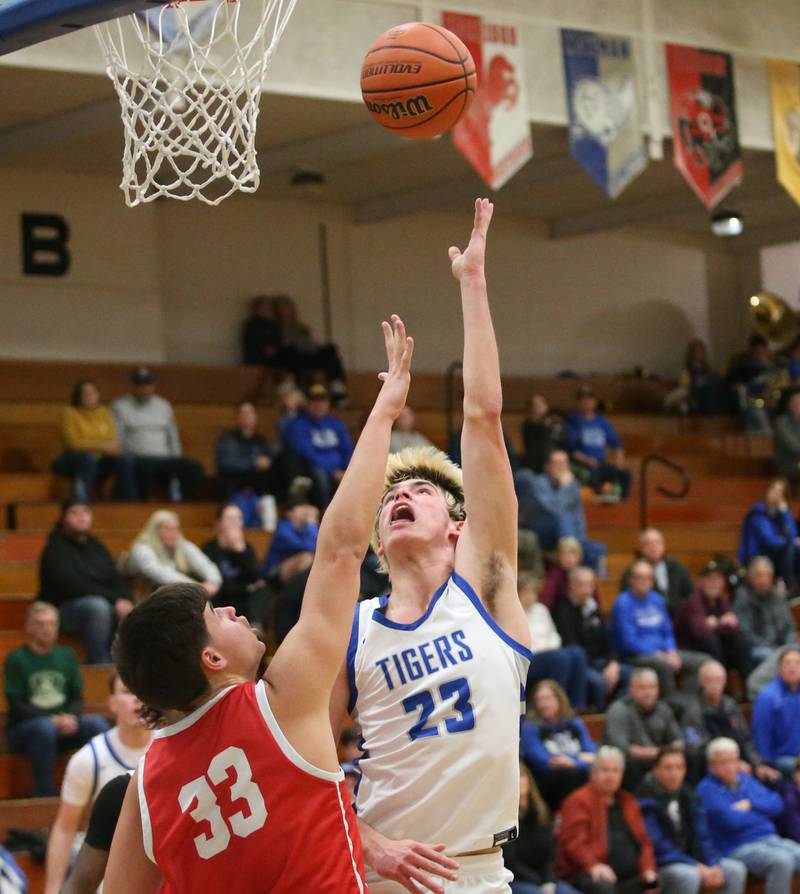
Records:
x=418, y=80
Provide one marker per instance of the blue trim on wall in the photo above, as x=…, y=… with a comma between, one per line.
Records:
x=481, y=609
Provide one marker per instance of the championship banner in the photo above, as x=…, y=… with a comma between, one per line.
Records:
x=604, y=133
x=784, y=88
x=705, y=137
x=495, y=135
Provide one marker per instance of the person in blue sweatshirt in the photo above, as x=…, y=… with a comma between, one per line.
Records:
x=676, y=823
x=642, y=631
x=769, y=530
x=595, y=448
x=776, y=715
x=741, y=814
x=321, y=441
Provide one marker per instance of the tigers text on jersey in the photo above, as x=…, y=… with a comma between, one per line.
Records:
x=229, y=805
x=438, y=703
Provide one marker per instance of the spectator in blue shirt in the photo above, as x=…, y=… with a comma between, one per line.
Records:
x=776, y=715
x=643, y=634
x=741, y=814
x=557, y=510
x=676, y=823
x=556, y=745
x=769, y=530
x=596, y=449
x=321, y=441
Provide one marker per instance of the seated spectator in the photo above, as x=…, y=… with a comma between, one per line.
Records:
x=776, y=715
x=542, y=432
x=529, y=554
x=748, y=374
x=596, y=449
x=44, y=692
x=787, y=439
x=569, y=555
x=566, y=665
x=301, y=354
x=788, y=822
x=556, y=510
x=579, y=623
x=246, y=460
x=288, y=561
x=531, y=855
x=707, y=623
x=700, y=390
x=712, y=715
x=87, y=873
x=643, y=633
x=78, y=575
x=162, y=555
x=289, y=402
x=764, y=616
x=405, y=434
x=769, y=530
x=242, y=585
x=555, y=744
x=92, y=450
x=146, y=426
x=321, y=442
x=261, y=335
x=671, y=578
x=640, y=725
x=741, y=819
x=676, y=823
x=97, y=763
x=603, y=846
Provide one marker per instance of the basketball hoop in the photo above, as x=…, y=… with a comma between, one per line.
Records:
x=188, y=76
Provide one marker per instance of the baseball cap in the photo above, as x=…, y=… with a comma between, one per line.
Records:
x=586, y=391
x=142, y=375
x=318, y=392
x=714, y=567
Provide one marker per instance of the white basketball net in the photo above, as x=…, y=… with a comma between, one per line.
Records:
x=189, y=78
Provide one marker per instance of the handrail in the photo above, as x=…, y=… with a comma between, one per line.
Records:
x=452, y=379
x=664, y=491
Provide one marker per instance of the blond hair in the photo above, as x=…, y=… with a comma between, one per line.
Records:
x=149, y=537
x=426, y=464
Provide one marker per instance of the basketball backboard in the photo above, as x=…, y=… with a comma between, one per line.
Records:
x=25, y=22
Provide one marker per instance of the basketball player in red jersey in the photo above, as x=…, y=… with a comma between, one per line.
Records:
x=241, y=790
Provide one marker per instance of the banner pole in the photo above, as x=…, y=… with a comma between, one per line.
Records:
x=652, y=83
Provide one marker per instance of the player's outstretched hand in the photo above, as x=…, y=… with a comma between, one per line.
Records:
x=470, y=261
x=411, y=864
x=399, y=350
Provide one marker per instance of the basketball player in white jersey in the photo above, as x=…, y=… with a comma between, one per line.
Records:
x=435, y=672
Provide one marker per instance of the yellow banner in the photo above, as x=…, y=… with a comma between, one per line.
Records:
x=784, y=85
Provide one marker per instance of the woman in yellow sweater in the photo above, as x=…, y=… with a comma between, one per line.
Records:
x=91, y=446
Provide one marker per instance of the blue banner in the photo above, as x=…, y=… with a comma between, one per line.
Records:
x=604, y=132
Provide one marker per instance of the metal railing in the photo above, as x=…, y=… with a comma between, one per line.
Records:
x=664, y=491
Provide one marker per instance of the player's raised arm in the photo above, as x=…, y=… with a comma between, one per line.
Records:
x=486, y=554
x=307, y=662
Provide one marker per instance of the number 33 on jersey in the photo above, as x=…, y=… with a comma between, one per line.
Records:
x=229, y=805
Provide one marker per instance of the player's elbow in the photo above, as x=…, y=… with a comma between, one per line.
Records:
x=486, y=409
x=340, y=558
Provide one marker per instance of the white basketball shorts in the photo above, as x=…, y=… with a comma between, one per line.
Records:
x=481, y=874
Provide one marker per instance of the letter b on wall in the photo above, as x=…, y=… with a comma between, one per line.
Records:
x=44, y=245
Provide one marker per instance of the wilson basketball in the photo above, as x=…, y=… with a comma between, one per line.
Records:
x=418, y=80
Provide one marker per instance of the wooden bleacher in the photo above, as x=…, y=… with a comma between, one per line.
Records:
x=728, y=473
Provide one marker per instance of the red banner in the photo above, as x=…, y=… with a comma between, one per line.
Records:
x=495, y=135
x=705, y=136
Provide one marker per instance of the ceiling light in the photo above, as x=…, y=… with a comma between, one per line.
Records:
x=727, y=223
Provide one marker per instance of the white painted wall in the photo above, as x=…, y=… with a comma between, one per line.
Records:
x=780, y=271
x=167, y=282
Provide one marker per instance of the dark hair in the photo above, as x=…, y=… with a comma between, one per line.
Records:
x=757, y=341
x=157, y=650
x=224, y=506
x=668, y=751
x=77, y=388
x=112, y=681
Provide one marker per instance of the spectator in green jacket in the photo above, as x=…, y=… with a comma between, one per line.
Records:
x=44, y=691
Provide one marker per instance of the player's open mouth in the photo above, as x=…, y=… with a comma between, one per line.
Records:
x=401, y=512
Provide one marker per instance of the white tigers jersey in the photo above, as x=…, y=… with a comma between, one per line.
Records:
x=439, y=703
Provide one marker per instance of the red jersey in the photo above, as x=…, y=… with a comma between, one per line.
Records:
x=228, y=805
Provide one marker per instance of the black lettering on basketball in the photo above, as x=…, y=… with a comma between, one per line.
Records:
x=411, y=108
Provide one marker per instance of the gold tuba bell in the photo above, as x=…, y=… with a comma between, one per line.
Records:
x=772, y=317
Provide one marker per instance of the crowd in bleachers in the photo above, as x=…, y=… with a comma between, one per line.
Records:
x=673, y=788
